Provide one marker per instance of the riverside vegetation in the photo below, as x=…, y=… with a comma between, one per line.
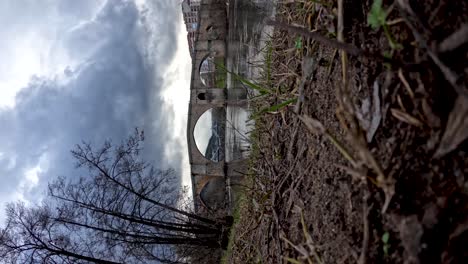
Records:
x=359, y=151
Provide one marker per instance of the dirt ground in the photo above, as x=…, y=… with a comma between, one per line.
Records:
x=373, y=170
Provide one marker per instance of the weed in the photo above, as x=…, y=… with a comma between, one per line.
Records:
x=261, y=90
x=220, y=75
x=386, y=245
x=277, y=107
x=298, y=43
x=377, y=18
x=308, y=250
x=236, y=214
x=316, y=127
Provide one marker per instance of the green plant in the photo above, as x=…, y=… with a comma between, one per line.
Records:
x=298, y=43
x=261, y=90
x=244, y=81
x=278, y=106
x=386, y=245
x=220, y=74
x=377, y=18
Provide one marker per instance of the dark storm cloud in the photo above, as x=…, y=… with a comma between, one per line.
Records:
x=114, y=89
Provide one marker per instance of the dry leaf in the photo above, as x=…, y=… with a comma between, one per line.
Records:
x=376, y=113
x=371, y=121
x=405, y=117
x=456, y=130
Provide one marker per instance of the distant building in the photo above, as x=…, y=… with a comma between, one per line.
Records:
x=190, y=11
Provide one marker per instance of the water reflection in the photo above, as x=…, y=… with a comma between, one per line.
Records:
x=246, y=38
x=210, y=133
x=207, y=70
x=223, y=133
x=247, y=34
x=238, y=127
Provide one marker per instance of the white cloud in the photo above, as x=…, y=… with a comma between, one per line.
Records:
x=177, y=94
x=29, y=182
x=32, y=178
x=84, y=70
x=29, y=41
x=24, y=62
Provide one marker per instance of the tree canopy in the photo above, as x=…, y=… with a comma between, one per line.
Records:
x=122, y=210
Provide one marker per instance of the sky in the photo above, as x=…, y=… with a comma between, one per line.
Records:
x=88, y=70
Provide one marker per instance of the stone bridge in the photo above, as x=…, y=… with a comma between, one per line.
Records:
x=211, y=180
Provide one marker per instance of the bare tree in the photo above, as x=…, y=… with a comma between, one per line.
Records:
x=125, y=210
x=31, y=237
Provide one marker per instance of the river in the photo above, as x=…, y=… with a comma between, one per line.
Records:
x=246, y=38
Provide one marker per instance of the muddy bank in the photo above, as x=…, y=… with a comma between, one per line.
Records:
x=381, y=174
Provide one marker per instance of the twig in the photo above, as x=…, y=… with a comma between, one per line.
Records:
x=308, y=65
x=293, y=139
x=349, y=48
x=395, y=21
x=330, y=67
x=309, y=241
x=316, y=127
x=405, y=83
x=340, y=28
x=365, y=238
x=344, y=57
x=355, y=135
x=455, y=40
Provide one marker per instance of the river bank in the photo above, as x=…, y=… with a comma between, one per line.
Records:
x=370, y=165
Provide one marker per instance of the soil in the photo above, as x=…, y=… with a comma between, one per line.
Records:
x=304, y=202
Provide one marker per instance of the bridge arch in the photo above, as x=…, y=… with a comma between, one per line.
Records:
x=212, y=133
x=194, y=117
x=211, y=41
x=209, y=194
x=210, y=71
x=207, y=70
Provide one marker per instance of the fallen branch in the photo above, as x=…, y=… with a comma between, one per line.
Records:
x=348, y=48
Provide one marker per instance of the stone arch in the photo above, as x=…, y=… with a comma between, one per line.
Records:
x=217, y=143
x=203, y=58
x=207, y=70
x=212, y=193
x=208, y=176
x=210, y=74
x=196, y=111
x=197, y=60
